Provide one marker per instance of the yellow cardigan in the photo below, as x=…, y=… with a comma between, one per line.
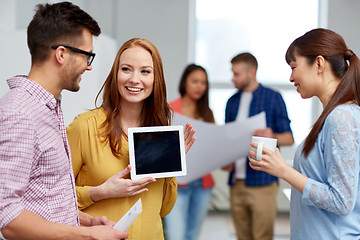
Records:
x=93, y=164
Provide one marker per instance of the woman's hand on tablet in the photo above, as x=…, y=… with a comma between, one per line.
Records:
x=189, y=136
x=118, y=186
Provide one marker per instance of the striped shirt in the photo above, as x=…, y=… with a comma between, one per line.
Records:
x=35, y=167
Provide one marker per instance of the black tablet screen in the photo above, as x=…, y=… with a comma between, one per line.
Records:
x=157, y=152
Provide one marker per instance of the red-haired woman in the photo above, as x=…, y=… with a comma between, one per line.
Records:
x=325, y=196
x=188, y=214
x=134, y=95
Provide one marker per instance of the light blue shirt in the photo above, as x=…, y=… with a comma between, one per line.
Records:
x=329, y=207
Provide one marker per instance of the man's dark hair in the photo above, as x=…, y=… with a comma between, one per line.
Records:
x=59, y=23
x=247, y=58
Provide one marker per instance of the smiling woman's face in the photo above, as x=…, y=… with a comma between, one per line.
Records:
x=136, y=75
x=304, y=77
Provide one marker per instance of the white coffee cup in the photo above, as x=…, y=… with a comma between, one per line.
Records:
x=269, y=143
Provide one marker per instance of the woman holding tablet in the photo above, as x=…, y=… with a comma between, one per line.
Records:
x=189, y=212
x=325, y=195
x=134, y=95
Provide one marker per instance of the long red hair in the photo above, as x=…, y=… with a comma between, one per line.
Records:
x=344, y=64
x=155, y=112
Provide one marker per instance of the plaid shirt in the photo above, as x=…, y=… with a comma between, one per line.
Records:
x=268, y=101
x=35, y=168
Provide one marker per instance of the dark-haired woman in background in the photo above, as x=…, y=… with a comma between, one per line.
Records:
x=325, y=196
x=187, y=216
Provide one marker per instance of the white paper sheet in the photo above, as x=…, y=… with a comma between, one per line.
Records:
x=287, y=193
x=2, y=237
x=217, y=146
x=124, y=223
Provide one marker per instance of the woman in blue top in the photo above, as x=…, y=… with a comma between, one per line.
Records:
x=325, y=196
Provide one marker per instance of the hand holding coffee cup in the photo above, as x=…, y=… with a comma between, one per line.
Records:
x=262, y=142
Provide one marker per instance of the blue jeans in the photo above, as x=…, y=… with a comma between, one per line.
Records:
x=185, y=220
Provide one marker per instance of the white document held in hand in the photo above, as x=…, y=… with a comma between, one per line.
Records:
x=124, y=223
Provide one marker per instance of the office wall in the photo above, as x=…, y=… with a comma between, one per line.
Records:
x=344, y=18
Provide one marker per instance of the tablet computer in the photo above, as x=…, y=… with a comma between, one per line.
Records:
x=157, y=152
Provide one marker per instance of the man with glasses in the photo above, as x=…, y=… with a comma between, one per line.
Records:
x=37, y=190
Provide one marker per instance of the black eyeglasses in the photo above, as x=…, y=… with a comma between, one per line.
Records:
x=90, y=55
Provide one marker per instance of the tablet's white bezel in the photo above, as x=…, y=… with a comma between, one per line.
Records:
x=134, y=175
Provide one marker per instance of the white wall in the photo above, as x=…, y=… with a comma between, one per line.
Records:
x=344, y=18
x=15, y=57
